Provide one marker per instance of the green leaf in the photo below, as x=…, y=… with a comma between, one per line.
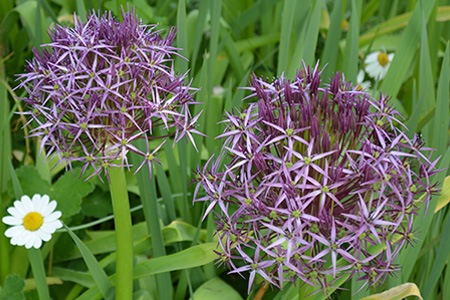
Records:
x=12, y=289
x=97, y=204
x=192, y=257
x=31, y=182
x=439, y=136
x=407, y=49
x=69, y=191
x=330, y=52
x=99, y=275
x=289, y=10
x=397, y=293
x=216, y=289
x=350, y=65
x=444, y=198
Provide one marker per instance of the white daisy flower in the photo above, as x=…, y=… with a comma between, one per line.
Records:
x=360, y=83
x=32, y=220
x=377, y=64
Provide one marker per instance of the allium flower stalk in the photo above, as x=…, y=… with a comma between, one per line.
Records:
x=103, y=84
x=319, y=181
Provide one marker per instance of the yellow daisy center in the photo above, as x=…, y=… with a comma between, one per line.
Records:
x=33, y=221
x=383, y=59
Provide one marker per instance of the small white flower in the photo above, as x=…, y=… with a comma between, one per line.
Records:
x=377, y=64
x=361, y=84
x=32, y=220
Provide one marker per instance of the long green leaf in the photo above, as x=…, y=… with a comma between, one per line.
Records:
x=192, y=257
x=285, y=37
x=426, y=83
x=182, y=37
x=406, y=51
x=350, y=65
x=312, y=34
x=439, y=138
x=98, y=274
x=331, y=49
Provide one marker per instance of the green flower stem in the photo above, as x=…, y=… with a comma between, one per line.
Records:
x=124, y=237
x=37, y=265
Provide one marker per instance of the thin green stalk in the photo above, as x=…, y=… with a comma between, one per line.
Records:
x=37, y=265
x=124, y=237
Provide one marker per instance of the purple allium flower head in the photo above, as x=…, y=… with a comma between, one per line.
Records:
x=101, y=85
x=319, y=181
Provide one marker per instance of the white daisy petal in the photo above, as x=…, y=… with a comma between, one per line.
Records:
x=13, y=211
x=48, y=228
x=44, y=235
x=376, y=69
x=19, y=206
x=29, y=234
x=8, y=220
x=360, y=76
x=37, y=242
x=14, y=240
x=14, y=231
x=49, y=209
x=53, y=216
x=37, y=199
x=38, y=203
x=30, y=242
x=371, y=58
x=24, y=238
x=27, y=204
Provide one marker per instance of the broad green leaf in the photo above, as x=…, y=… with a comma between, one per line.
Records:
x=69, y=190
x=31, y=182
x=397, y=293
x=12, y=288
x=216, y=289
